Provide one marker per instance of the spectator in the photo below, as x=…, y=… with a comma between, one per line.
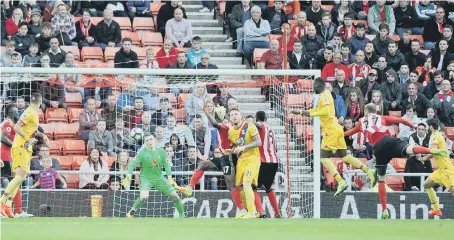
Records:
x=223, y=96
x=48, y=176
x=420, y=137
x=119, y=8
x=167, y=55
x=447, y=34
x=134, y=116
x=313, y=42
x=443, y=102
x=145, y=124
x=416, y=164
x=7, y=54
x=240, y=13
x=63, y=26
x=275, y=16
x=330, y=69
x=425, y=11
x=159, y=137
x=97, y=89
x=325, y=27
x=108, y=32
x=288, y=38
x=179, y=30
x=256, y=32
x=182, y=62
x=382, y=105
x=369, y=54
x=126, y=99
x=12, y=23
x=412, y=79
x=183, y=134
x=32, y=58
x=121, y=136
x=202, y=137
x=290, y=7
x=441, y=56
x=426, y=72
x=53, y=95
x=359, y=69
x=340, y=86
x=417, y=99
x=125, y=57
x=431, y=114
x=449, y=73
x=382, y=39
x=315, y=13
x=404, y=43
x=150, y=62
x=339, y=104
x=56, y=54
x=166, y=13
x=394, y=57
x=348, y=124
x=34, y=26
x=86, y=31
x=110, y=112
x=415, y=58
x=381, y=14
x=37, y=163
x=101, y=139
x=44, y=38
x=342, y=12
x=355, y=104
x=403, y=74
x=322, y=60
x=433, y=86
x=410, y=115
x=297, y=59
x=6, y=12
x=22, y=39
x=407, y=18
x=195, y=102
x=382, y=67
x=273, y=58
x=88, y=119
x=358, y=41
x=301, y=27
x=159, y=117
x=91, y=177
x=434, y=27
x=27, y=8
x=139, y=9
x=194, y=54
x=96, y=8
x=205, y=63
x=392, y=91
x=21, y=105
x=346, y=58
x=151, y=100
x=68, y=79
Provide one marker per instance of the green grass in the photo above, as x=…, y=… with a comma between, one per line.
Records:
x=220, y=229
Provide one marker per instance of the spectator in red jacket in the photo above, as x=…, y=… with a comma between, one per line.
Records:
x=12, y=24
x=167, y=55
x=329, y=71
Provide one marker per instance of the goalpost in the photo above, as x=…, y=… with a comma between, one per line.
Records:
x=277, y=92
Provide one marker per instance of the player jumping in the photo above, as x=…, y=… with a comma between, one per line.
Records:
x=245, y=139
x=152, y=159
x=333, y=136
x=22, y=149
x=385, y=147
x=444, y=175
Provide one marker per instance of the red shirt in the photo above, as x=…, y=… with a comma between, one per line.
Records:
x=375, y=127
x=329, y=71
x=10, y=27
x=163, y=60
x=223, y=130
x=383, y=15
x=7, y=127
x=272, y=61
x=268, y=151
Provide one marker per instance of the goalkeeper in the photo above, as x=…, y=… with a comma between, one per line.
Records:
x=152, y=160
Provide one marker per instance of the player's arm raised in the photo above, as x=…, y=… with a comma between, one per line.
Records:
x=354, y=130
x=395, y=120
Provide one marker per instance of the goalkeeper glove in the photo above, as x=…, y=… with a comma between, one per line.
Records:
x=127, y=181
x=172, y=182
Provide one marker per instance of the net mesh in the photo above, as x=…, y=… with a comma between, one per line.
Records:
x=138, y=100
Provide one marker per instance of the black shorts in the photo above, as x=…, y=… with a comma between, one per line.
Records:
x=224, y=164
x=266, y=175
x=388, y=148
x=6, y=170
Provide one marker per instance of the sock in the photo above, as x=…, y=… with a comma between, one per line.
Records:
x=433, y=198
x=355, y=162
x=273, y=201
x=18, y=202
x=137, y=204
x=421, y=150
x=249, y=195
x=382, y=194
x=243, y=198
x=11, y=188
x=179, y=206
x=195, y=178
x=258, y=202
x=331, y=169
x=236, y=197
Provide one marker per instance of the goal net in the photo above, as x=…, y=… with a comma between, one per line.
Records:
x=107, y=111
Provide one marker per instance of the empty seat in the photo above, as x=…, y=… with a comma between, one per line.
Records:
x=73, y=99
x=395, y=114
x=74, y=114
x=77, y=161
x=395, y=37
x=49, y=129
x=56, y=115
x=110, y=160
x=132, y=35
x=258, y=52
x=124, y=22
x=72, y=180
x=395, y=182
x=54, y=147
x=399, y=164
x=74, y=50
x=327, y=8
x=294, y=100
x=109, y=53
x=73, y=147
x=66, y=130
x=143, y=24
x=151, y=39
x=91, y=53
x=449, y=132
x=417, y=37
x=154, y=8
x=65, y=161
x=141, y=52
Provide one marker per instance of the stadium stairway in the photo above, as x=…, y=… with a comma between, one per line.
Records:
x=210, y=30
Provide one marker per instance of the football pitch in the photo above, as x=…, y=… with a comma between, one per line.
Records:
x=220, y=229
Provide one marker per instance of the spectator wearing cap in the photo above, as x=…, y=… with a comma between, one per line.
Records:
x=179, y=30
x=433, y=28
x=125, y=57
x=139, y=9
x=108, y=33
x=86, y=31
x=417, y=99
x=394, y=57
x=381, y=13
x=330, y=69
x=298, y=59
x=441, y=55
x=167, y=55
x=358, y=41
x=63, y=26
x=56, y=54
x=240, y=13
x=392, y=91
x=166, y=13
x=276, y=16
x=415, y=58
x=406, y=18
x=34, y=26
x=22, y=39
x=382, y=39
x=315, y=12
x=256, y=32
x=325, y=27
x=341, y=12
x=273, y=58
x=434, y=85
x=443, y=102
x=88, y=119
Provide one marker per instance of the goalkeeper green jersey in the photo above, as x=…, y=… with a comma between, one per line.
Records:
x=152, y=162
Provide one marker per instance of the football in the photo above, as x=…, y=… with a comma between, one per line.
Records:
x=137, y=134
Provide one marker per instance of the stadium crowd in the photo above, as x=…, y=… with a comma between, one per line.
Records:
x=396, y=54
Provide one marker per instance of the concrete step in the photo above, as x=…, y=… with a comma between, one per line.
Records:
x=252, y=112
x=213, y=37
x=244, y=91
x=217, y=45
x=229, y=66
x=204, y=23
x=192, y=7
x=301, y=169
x=292, y=153
x=196, y=15
x=221, y=52
x=301, y=177
x=254, y=106
x=196, y=31
x=301, y=186
x=193, y=2
x=225, y=60
x=250, y=98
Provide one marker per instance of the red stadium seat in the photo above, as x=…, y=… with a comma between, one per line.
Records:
x=49, y=129
x=151, y=39
x=395, y=37
x=41, y=115
x=74, y=147
x=56, y=115
x=54, y=147
x=66, y=130
x=449, y=132
x=74, y=114
x=142, y=24
x=73, y=49
x=124, y=22
x=73, y=99
x=305, y=85
x=132, y=35
x=308, y=100
x=292, y=23
x=109, y=53
x=72, y=180
x=141, y=52
x=258, y=52
x=181, y=99
x=91, y=53
x=417, y=37
x=77, y=161
x=180, y=114
x=274, y=36
x=294, y=100
x=399, y=164
x=65, y=161
x=154, y=8
x=395, y=182
x=110, y=160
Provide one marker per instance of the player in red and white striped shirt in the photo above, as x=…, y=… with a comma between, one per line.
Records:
x=270, y=162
